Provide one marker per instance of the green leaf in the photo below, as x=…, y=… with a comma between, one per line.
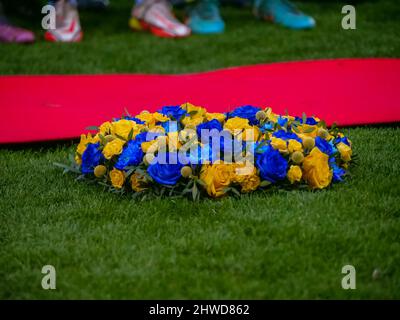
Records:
x=235, y=191
x=127, y=112
x=201, y=182
x=186, y=191
x=120, y=137
x=71, y=158
x=192, y=113
x=129, y=172
x=130, y=135
x=92, y=128
x=265, y=183
x=304, y=118
x=189, y=184
x=66, y=168
x=81, y=177
x=309, y=130
x=226, y=189
x=322, y=124
x=195, y=192
x=102, y=139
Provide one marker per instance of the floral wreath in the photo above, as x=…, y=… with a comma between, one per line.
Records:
x=288, y=152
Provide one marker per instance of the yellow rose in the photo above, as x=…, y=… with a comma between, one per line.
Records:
x=151, y=118
x=105, y=128
x=237, y=124
x=218, y=116
x=158, y=117
x=345, y=151
x=123, y=127
x=145, y=116
x=217, y=177
x=249, y=182
x=316, y=169
x=240, y=173
x=113, y=148
x=307, y=130
x=190, y=108
x=290, y=118
x=117, y=178
x=138, y=182
x=195, y=117
x=173, y=141
x=149, y=146
x=294, y=174
x=251, y=134
x=294, y=145
x=157, y=129
x=279, y=144
x=271, y=116
x=192, y=122
x=187, y=134
x=80, y=149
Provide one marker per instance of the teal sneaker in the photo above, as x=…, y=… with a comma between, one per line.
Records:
x=283, y=12
x=205, y=18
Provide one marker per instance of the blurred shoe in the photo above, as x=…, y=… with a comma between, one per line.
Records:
x=11, y=34
x=283, y=12
x=205, y=18
x=156, y=16
x=68, y=27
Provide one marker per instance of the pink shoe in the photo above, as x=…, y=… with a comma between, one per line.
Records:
x=9, y=33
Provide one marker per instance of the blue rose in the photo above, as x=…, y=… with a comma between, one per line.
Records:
x=337, y=171
x=261, y=146
x=143, y=136
x=323, y=146
x=174, y=112
x=170, y=126
x=165, y=173
x=209, y=125
x=344, y=140
x=272, y=165
x=267, y=126
x=199, y=155
x=286, y=135
x=91, y=157
x=132, y=154
x=245, y=112
x=282, y=121
x=227, y=146
x=138, y=121
x=310, y=120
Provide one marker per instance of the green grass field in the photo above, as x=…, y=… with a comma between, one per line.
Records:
x=282, y=244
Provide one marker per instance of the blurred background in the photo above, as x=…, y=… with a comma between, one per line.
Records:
x=110, y=46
